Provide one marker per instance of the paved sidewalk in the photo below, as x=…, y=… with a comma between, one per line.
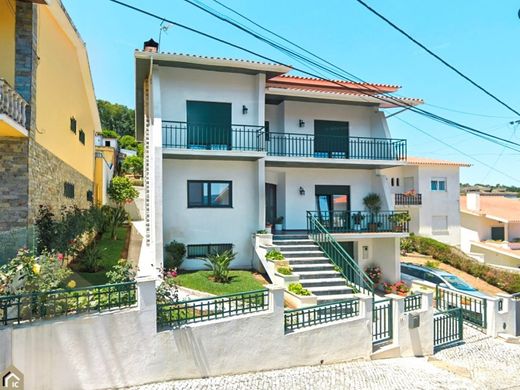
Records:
x=481, y=363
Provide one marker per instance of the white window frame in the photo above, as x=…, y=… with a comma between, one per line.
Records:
x=438, y=180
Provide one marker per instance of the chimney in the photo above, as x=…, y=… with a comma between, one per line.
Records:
x=151, y=46
x=473, y=200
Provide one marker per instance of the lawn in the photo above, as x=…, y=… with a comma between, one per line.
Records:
x=111, y=251
x=240, y=281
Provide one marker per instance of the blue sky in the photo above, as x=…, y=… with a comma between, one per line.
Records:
x=479, y=37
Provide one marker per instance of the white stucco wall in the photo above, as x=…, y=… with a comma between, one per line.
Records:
x=475, y=228
x=514, y=230
x=211, y=225
x=383, y=252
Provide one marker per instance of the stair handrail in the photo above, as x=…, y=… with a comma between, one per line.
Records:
x=339, y=256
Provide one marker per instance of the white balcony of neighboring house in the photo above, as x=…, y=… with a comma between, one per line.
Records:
x=13, y=109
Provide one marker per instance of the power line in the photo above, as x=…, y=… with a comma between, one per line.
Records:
x=459, y=151
x=436, y=56
x=468, y=113
x=372, y=90
x=478, y=133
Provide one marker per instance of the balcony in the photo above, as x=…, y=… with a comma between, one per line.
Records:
x=181, y=135
x=12, y=112
x=407, y=199
x=362, y=221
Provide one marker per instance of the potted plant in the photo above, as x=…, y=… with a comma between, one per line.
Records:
x=269, y=227
x=389, y=288
x=357, y=219
x=372, y=203
x=278, y=223
x=375, y=274
x=399, y=221
x=401, y=288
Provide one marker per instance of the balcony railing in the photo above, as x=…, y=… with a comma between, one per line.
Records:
x=182, y=135
x=12, y=104
x=408, y=199
x=362, y=221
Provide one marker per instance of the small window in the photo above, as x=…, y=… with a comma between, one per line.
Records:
x=68, y=190
x=397, y=182
x=107, y=143
x=209, y=193
x=73, y=124
x=203, y=250
x=438, y=184
x=440, y=224
x=392, y=182
x=90, y=196
x=82, y=136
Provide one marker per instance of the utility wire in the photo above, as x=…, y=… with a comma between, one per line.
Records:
x=437, y=56
x=393, y=100
x=372, y=90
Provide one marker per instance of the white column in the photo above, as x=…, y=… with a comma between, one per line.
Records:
x=261, y=193
x=260, y=85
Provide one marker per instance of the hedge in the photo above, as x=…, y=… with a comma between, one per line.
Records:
x=507, y=281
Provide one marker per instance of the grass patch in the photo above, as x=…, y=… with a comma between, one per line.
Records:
x=111, y=251
x=241, y=281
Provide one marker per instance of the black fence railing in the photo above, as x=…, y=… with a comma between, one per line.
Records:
x=362, y=221
x=408, y=200
x=203, y=136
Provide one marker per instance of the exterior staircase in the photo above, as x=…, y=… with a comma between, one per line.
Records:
x=316, y=271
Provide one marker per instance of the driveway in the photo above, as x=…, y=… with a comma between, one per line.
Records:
x=481, y=363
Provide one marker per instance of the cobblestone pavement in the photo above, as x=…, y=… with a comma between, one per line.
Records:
x=481, y=363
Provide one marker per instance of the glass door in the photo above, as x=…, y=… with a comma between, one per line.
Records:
x=333, y=206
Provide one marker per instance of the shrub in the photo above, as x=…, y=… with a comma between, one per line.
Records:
x=128, y=142
x=432, y=264
x=121, y=191
x=110, y=134
x=274, y=255
x=297, y=288
x=174, y=253
x=284, y=270
x=122, y=272
x=114, y=218
x=219, y=265
x=374, y=273
x=133, y=165
x=91, y=258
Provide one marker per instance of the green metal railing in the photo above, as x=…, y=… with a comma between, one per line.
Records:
x=320, y=314
x=474, y=310
x=412, y=302
x=350, y=270
x=207, y=136
x=382, y=320
x=361, y=221
x=16, y=309
x=447, y=327
x=206, y=309
x=331, y=146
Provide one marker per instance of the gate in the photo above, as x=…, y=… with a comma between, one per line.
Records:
x=447, y=327
x=382, y=321
x=474, y=309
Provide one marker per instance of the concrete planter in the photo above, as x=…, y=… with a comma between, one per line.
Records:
x=285, y=280
x=300, y=300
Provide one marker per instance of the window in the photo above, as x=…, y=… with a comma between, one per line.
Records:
x=209, y=193
x=438, y=184
x=397, y=182
x=107, y=143
x=203, y=250
x=73, y=124
x=439, y=224
x=68, y=190
x=432, y=278
x=392, y=182
x=82, y=136
x=90, y=196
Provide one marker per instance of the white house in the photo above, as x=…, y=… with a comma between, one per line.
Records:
x=231, y=145
x=429, y=189
x=490, y=229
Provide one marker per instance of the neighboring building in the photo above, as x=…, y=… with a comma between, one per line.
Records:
x=490, y=228
x=48, y=113
x=230, y=145
x=111, y=142
x=429, y=190
x=105, y=169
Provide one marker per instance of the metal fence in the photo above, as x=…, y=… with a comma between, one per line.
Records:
x=412, y=302
x=447, y=327
x=474, y=310
x=362, y=221
x=14, y=239
x=17, y=309
x=382, y=320
x=320, y=314
x=176, y=314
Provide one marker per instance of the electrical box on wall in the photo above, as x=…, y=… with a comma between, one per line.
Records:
x=414, y=321
x=365, y=252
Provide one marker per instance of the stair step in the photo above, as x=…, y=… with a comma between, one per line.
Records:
x=289, y=254
x=308, y=260
x=323, y=282
x=304, y=275
x=331, y=290
x=333, y=298
x=283, y=237
x=293, y=242
x=312, y=267
x=298, y=248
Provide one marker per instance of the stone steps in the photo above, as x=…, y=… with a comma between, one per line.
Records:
x=322, y=282
x=341, y=288
x=333, y=298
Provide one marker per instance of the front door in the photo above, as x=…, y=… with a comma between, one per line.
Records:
x=331, y=139
x=333, y=206
x=209, y=125
x=270, y=203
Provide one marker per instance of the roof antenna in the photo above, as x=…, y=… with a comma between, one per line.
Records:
x=163, y=27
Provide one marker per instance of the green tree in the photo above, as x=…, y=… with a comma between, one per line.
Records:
x=116, y=117
x=121, y=190
x=109, y=134
x=128, y=142
x=133, y=165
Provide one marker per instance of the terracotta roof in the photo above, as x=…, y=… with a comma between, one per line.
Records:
x=430, y=161
x=495, y=207
x=340, y=85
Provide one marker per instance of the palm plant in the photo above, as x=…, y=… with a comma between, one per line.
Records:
x=219, y=265
x=372, y=203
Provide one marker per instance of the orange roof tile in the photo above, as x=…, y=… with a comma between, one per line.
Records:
x=430, y=161
x=501, y=207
